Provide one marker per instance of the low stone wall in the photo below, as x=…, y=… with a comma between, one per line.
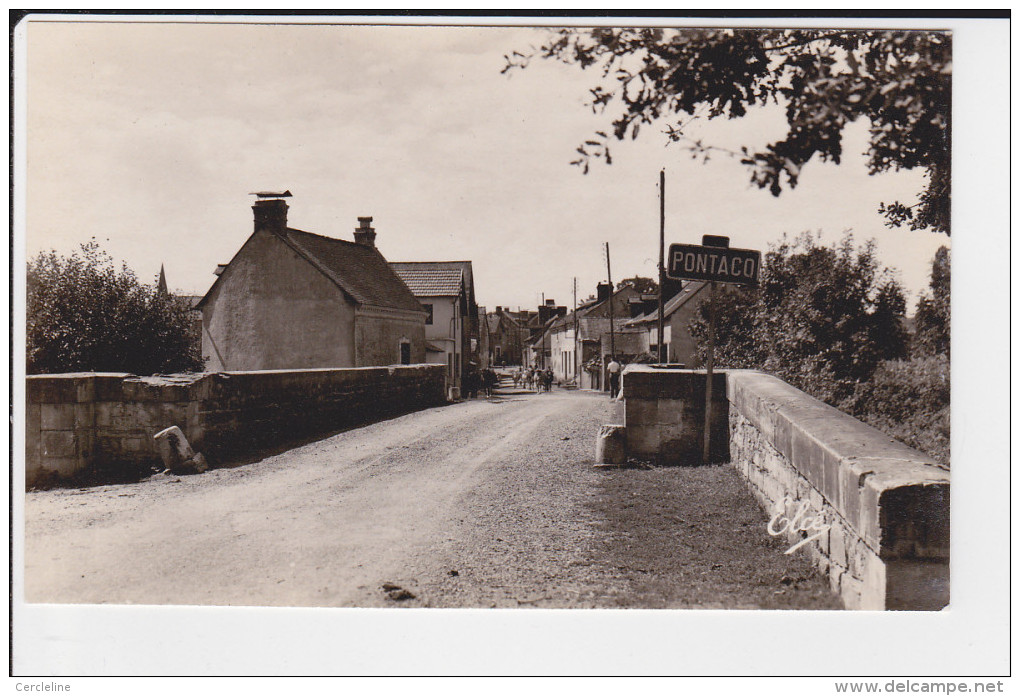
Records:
x=880, y=509
x=102, y=423
x=664, y=414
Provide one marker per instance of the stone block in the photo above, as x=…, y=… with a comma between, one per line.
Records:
x=50, y=389
x=57, y=416
x=912, y=520
x=33, y=419
x=108, y=445
x=174, y=449
x=84, y=416
x=640, y=412
x=643, y=440
x=109, y=387
x=58, y=443
x=85, y=388
x=137, y=390
x=63, y=467
x=134, y=445
x=84, y=445
x=610, y=446
x=850, y=589
x=822, y=542
x=672, y=412
x=916, y=585
x=837, y=546
x=836, y=574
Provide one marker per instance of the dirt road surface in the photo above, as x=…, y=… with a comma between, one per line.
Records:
x=484, y=503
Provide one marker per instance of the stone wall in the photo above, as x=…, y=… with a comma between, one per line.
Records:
x=886, y=505
x=664, y=414
x=879, y=510
x=101, y=425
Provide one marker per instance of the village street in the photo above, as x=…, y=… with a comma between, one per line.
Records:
x=483, y=503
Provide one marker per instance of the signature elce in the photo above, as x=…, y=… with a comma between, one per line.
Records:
x=804, y=519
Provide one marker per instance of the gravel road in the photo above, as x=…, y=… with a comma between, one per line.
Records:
x=484, y=503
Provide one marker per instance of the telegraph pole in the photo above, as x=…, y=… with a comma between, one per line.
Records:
x=662, y=261
x=577, y=373
x=612, y=332
x=708, y=371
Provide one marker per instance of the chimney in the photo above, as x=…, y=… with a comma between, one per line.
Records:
x=604, y=291
x=499, y=309
x=271, y=211
x=364, y=233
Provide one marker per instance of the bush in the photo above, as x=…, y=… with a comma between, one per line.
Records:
x=908, y=400
x=822, y=319
x=84, y=315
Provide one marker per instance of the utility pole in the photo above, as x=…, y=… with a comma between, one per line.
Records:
x=708, y=371
x=577, y=373
x=612, y=330
x=543, y=330
x=662, y=261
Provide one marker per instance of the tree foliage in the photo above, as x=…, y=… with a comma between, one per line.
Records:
x=909, y=400
x=932, y=318
x=823, y=318
x=86, y=315
x=900, y=81
x=640, y=283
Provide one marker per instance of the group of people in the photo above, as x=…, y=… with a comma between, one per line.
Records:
x=533, y=378
x=476, y=381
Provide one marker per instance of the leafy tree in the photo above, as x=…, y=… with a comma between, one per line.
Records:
x=825, y=79
x=85, y=315
x=639, y=283
x=932, y=317
x=822, y=319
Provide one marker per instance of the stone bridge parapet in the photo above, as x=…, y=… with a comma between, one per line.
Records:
x=104, y=423
x=884, y=506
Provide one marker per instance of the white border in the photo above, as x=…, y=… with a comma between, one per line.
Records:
x=969, y=639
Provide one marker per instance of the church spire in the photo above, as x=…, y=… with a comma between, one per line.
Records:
x=162, y=282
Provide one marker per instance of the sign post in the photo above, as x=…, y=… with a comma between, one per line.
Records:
x=713, y=262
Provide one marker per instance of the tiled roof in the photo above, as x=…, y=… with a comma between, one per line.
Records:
x=431, y=278
x=358, y=269
x=678, y=300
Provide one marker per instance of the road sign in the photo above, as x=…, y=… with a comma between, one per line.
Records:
x=723, y=265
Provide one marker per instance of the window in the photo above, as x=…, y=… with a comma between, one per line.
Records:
x=405, y=353
x=428, y=317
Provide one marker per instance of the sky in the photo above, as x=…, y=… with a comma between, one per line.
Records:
x=150, y=136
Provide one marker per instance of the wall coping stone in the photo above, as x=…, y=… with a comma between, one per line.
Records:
x=869, y=478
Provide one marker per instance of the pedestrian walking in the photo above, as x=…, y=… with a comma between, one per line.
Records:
x=613, y=368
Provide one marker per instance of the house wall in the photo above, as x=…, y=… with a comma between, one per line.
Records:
x=682, y=346
x=378, y=338
x=563, y=342
x=442, y=315
x=272, y=310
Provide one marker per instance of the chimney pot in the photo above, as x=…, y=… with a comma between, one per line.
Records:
x=364, y=233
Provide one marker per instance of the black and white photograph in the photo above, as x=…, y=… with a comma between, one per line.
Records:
x=581, y=327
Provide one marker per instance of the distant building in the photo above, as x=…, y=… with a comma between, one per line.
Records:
x=539, y=341
x=446, y=289
x=506, y=337
x=292, y=299
x=569, y=353
x=677, y=314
